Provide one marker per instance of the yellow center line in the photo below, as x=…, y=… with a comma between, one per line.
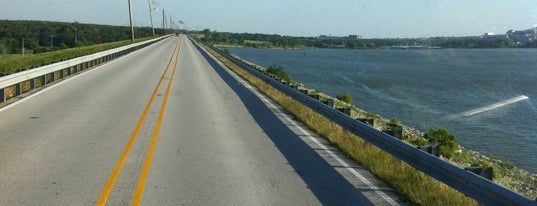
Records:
x=137, y=199
x=121, y=162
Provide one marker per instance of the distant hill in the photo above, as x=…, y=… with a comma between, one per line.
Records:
x=44, y=36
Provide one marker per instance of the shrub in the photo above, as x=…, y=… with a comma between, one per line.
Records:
x=345, y=97
x=394, y=124
x=279, y=72
x=444, y=138
x=226, y=51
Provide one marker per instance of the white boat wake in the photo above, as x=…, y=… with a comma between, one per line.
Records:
x=495, y=105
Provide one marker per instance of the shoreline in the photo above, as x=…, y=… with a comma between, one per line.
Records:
x=345, y=48
x=505, y=173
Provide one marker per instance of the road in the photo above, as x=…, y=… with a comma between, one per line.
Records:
x=166, y=125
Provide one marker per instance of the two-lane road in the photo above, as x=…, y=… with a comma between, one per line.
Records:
x=166, y=126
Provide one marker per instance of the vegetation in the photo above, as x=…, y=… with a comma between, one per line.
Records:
x=445, y=139
x=415, y=185
x=278, y=41
x=345, y=97
x=279, y=72
x=48, y=42
x=44, y=36
x=15, y=63
x=394, y=124
x=251, y=40
x=505, y=174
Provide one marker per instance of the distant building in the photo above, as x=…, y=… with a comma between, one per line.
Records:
x=330, y=37
x=355, y=37
x=492, y=36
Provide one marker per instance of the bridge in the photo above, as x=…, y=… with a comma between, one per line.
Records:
x=168, y=125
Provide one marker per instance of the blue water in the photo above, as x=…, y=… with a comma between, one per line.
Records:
x=430, y=89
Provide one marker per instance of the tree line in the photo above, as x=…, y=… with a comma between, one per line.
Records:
x=45, y=36
x=279, y=41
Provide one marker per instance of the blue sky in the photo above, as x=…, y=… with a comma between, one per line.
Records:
x=369, y=18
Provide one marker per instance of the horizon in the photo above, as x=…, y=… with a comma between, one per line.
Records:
x=369, y=19
x=148, y=26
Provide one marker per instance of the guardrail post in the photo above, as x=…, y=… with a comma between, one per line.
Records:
x=43, y=80
x=12, y=88
x=32, y=84
x=433, y=150
x=348, y=111
x=397, y=133
x=485, y=192
x=2, y=95
x=52, y=75
x=369, y=121
x=18, y=90
x=485, y=172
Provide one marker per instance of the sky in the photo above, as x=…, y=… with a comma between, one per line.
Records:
x=368, y=18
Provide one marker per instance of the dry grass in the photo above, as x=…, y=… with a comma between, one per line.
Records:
x=413, y=184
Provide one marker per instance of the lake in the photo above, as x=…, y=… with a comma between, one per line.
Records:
x=487, y=97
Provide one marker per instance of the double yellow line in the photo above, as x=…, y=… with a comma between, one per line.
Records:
x=137, y=199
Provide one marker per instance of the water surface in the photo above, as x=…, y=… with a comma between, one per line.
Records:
x=430, y=89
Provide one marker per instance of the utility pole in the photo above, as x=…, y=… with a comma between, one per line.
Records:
x=22, y=47
x=171, y=22
x=132, y=27
x=151, y=17
x=163, y=20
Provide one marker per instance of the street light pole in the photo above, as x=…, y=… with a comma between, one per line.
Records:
x=130, y=17
x=151, y=17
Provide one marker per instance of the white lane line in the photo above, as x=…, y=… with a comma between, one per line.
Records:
x=49, y=87
x=304, y=132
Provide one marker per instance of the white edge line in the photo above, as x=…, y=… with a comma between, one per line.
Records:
x=310, y=136
x=65, y=80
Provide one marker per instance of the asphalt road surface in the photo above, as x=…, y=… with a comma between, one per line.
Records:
x=167, y=125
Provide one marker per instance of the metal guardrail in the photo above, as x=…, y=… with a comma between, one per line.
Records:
x=468, y=183
x=42, y=76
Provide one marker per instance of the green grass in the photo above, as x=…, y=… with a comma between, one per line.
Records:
x=10, y=64
x=413, y=184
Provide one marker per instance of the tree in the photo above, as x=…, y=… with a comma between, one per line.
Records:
x=445, y=139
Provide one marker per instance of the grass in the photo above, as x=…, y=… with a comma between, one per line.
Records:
x=413, y=184
x=10, y=64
